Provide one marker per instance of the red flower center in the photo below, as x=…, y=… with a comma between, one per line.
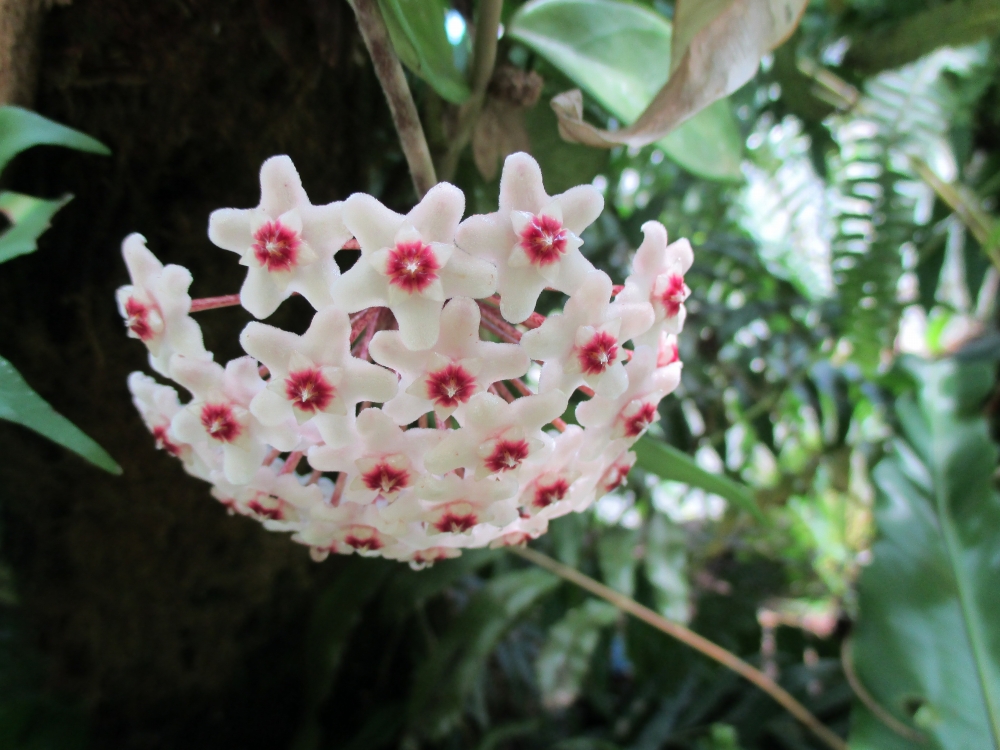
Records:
x=507, y=455
x=450, y=386
x=163, y=442
x=308, y=390
x=220, y=422
x=638, y=422
x=270, y=512
x=137, y=319
x=276, y=247
x=544, y=240
x=412, y=266
x=546, y=494
x=615, y=476
x=598, y=354
x=668, y=354
x=674, y=294
x=370, y=543
x=386, y=480
x=455, y=522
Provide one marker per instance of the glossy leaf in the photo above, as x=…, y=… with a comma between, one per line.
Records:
x=29, y=217
x=21, y=129
x=443, y=682
x=20, y=404
x=418, y=36
x=619, y=52
x=720, y=47
x=669, y=463
x=564, y=660
x=927, y=644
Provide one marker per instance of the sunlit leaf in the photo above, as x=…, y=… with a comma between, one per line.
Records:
x=20, y=404
x=564, y=660
x=418, y=36
x=722, y=43
x=619, y=52
x=21, y=129
x=927, y=641
x=669, y=463
x=445, y=679
x=29, y=218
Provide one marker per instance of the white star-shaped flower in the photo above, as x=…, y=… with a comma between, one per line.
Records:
x=627, y=416
x=314, y=376
x=410, y=263
x=497, y=435
x=464, y=511
x=155, y=307
x=287, y=243
x=158, y=404
x=658, y=278
x=533, y=239
x=381, y=460
x=219, y=415
x=583, y=344
x=548, y=479
x=445, y=377
x=270, y=496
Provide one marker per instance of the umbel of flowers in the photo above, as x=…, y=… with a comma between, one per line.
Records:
x=427, y=396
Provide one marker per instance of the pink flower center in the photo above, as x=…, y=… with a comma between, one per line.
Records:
x=276, y=247
x=386, y=480
x=546, y=494
x=668, y=354
x=220, y=423
x=636, y=424
x=308, y=390
x=450, y=386
x=674, y=294
x=270, y=512
x=455, y=522
x=137, y=319
x=615, y=476
x=412, y=266
x=507, y=455
x=365, y=538
x=544, y=240
x=164, y=443
x=598, y=354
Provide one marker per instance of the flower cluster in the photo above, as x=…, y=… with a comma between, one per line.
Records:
x=427, y=395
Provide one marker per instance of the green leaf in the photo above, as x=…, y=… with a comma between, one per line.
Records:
x=29, y=217
x=564, y=660
x=21, y=129
x=18, y=403
x=669, y=463
x=618, y=53
x=447, y=676
x=665, y=563
x=418, y=36
x=954, y=24
x=564, y=164
x=927, y=643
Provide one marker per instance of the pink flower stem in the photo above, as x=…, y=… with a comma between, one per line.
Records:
x=360, y=321
x=586, y=390
x=559, y=424
x=422, y=422
x=338, y=489
x=501, y=390
x=272, y=454
x=492, y=320
x=521, y=388
x=314, y=477
x=211, y=303
x=292, y=463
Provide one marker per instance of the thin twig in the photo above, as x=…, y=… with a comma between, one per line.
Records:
x=484, y=56
x=397, y=93
x=847, y=662
x=488, y=314
x=689, y=638
x=212, y=303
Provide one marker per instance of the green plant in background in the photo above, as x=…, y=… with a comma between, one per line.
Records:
x=29, y=217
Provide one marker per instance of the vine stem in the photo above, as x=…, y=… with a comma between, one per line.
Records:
x=397, y=92
x=689, y=638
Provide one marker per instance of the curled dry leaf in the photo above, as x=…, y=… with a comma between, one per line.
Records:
x=717, y=48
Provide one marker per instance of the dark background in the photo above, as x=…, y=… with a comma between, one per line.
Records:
x=166, y=621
